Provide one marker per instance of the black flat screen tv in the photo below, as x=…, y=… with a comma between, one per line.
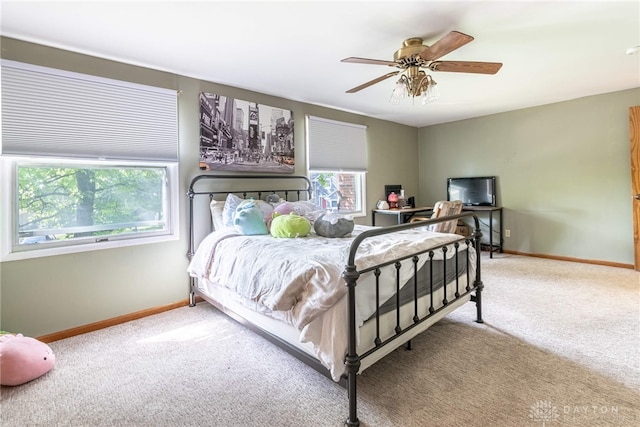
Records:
x=473, y=191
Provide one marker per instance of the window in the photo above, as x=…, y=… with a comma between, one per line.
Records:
x=338, y=191
x=58, y=203
x=92, y=165
x=337, y=162
x=69, y=206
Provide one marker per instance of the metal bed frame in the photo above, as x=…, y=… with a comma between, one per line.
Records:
x=350, y=276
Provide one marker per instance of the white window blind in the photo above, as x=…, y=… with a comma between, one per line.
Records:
x=49, y=112
x=336, y=146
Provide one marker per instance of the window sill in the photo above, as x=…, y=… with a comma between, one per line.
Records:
x=45, y=252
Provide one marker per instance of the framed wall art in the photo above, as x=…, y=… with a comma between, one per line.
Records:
x=244, y=136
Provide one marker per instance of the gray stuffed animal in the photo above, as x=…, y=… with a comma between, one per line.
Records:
x=331, y=225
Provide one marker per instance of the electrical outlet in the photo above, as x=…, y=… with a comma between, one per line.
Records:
x=507, y=233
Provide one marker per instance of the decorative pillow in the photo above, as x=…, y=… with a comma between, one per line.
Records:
x=249, y=221
x=284, y=208
x=314, y=215
x=333, y=225
x=233, y=202
x=305, y=208
x=290, y=226
x=23, y=359
x=217, y=207
x=229, y=210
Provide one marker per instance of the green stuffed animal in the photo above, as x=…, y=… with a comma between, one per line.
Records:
x=289, y=226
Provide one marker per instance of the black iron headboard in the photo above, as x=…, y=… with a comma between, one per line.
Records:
x=287, y=187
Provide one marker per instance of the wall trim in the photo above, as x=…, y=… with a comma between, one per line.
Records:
x=91, y=327
x=571, y=259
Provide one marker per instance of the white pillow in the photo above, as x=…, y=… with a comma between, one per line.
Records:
x=217, y=207
x=229, y=210
x=305, y=207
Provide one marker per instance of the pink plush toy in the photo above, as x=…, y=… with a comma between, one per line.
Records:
x=23, y=359
x=285, y=208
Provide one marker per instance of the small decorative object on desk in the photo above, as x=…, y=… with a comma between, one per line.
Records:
x=401, y=200
x=393, y=201
x=382, y=204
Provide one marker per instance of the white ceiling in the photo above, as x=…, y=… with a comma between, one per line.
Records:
x=551, y=51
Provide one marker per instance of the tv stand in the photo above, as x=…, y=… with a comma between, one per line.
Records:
x=497, y=247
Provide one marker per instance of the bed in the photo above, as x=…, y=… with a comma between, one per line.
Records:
x=338, y=304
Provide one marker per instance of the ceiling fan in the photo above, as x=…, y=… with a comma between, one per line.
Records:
x=414, y=57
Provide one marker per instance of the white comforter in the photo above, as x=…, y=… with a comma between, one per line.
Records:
x=300, y=280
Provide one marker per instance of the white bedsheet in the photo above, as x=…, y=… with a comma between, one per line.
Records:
x=299, y=281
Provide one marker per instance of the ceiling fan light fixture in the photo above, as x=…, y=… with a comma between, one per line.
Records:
x=419, y=85
x=399, y=91
x=431, y=92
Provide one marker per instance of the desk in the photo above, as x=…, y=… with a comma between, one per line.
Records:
x=403, y=215
x=490, y=209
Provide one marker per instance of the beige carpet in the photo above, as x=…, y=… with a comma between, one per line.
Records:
x=560, y=347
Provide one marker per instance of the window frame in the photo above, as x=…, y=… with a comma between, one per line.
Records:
x=9, y=250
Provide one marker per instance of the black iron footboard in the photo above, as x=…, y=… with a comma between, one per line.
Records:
x=351, y=275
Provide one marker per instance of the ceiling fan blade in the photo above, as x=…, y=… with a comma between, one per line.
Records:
x=372, y=82
x=466, y=67
x=369, y=61
x=446, y=44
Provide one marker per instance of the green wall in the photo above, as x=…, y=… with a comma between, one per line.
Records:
x=563, y=172
x=46, y=295
x=563, y=178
